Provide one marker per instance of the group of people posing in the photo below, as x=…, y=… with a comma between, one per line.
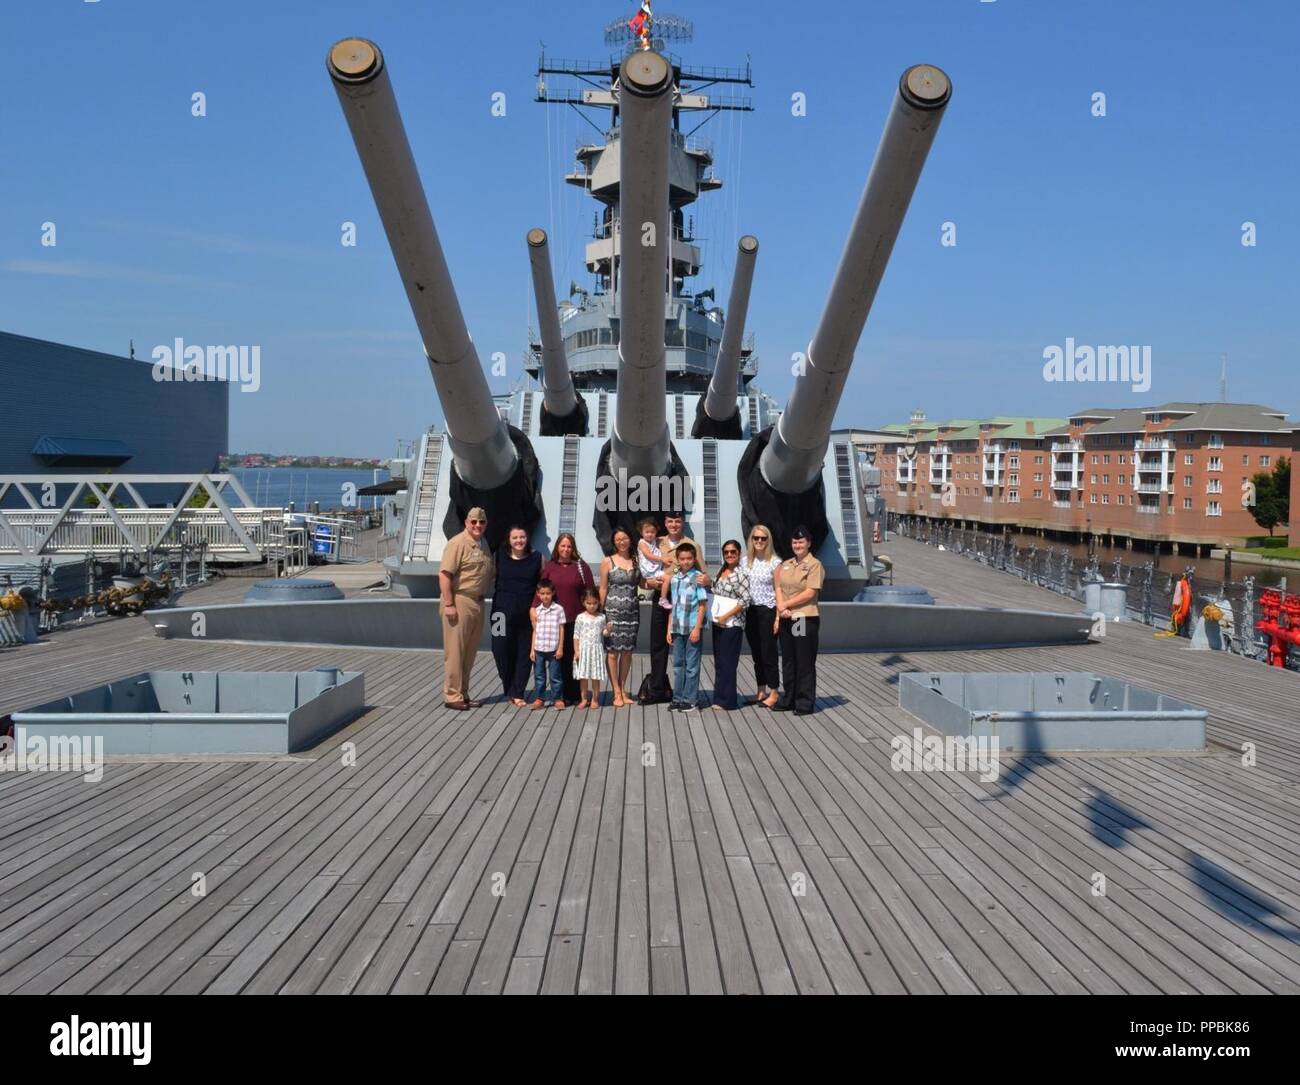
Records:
x=571, y=630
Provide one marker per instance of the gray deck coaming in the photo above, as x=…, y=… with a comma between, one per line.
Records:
x=772, y=797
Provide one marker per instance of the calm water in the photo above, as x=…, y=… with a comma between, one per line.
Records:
x=1208, y=570
x=277, y=486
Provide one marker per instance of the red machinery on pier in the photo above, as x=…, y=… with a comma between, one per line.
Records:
x=1281, y=622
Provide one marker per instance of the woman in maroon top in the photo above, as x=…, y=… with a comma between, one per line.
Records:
x=571, y=576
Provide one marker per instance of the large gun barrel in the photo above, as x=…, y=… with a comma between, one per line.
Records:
x=482, y=451
x=557, y=385
x=640, y=443
x=720, y=403
x=792, y=461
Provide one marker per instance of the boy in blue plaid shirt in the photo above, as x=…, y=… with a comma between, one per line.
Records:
x=690, y=603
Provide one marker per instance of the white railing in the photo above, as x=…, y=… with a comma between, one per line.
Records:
x=107, y=515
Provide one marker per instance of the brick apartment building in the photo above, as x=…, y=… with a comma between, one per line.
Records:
x=1171, y=474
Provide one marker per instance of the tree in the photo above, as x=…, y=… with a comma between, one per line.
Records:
x=1273, y=496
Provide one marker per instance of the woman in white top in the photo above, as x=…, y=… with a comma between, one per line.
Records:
x=759, y=566
x=730, y=601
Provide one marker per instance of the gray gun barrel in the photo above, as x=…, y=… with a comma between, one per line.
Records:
x=640, y=442
x=720, y=403
x=480, y=444
x=557, y=384
x=792, y=460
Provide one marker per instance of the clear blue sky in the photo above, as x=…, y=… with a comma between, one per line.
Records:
x=225, y=229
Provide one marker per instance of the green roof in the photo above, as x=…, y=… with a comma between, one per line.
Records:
x=1018, y=428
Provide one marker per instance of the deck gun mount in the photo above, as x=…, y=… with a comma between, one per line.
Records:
x=639, y=382
x=786, y=489
x=493, y=464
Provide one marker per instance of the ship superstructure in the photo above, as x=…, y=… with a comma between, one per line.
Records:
x=693, y=322
x=640, y=395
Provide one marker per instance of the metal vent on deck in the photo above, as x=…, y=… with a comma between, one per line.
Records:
x=569, y=486
x=602, y=414
x=848, y=505
x=753, y=415
x=679, y=409
x=712, y=510
x=526, y=423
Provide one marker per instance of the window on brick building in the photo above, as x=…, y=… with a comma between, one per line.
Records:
x=1038, y=493
x=1187, y=481
x=1105, y=480
x=1189, y=459
x=1123, y=480
x=1245, y=461
x=1216, y=440
x=1105, y=499
x=1092, y=498
x=1187, y=503
x=1105, y=459
x=1264, y=461
x=1215, y=464
x=1213, y=509
x=1120, y=499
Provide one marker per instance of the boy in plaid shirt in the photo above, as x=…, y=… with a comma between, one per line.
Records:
x=689, y=604
x=548, y=644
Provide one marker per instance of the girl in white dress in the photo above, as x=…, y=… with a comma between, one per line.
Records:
x=589, y=650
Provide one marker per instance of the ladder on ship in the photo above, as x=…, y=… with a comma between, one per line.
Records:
x=425, y=496
x=569, y=487
x=712, y=507
x=846, y=483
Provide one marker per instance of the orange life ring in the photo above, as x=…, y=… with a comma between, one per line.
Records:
x=1184, y=605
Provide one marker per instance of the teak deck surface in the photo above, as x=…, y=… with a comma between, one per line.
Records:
x=637, y=850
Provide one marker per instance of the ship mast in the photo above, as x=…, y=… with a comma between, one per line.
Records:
x=693, y=332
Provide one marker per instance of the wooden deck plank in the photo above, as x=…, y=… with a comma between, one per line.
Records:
x=668, y=876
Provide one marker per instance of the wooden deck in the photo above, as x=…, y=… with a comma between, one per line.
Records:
x=504, y=850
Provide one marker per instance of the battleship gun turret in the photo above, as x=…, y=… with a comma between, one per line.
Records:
x=786, y=489
x=640, y=450
x=493, y=464
x=562, y=411
x=640, y=443
x=718, y=414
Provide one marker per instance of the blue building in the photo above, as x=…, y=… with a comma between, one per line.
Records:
x=74, y=411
